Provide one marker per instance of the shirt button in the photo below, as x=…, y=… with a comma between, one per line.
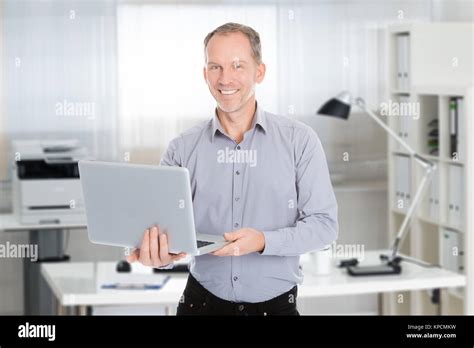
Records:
x=241, y=308
x=237, y=199
x=236, y=278
x=237, y=172
x=236, y=224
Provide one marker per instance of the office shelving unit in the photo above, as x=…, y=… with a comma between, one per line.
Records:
x=428, y=65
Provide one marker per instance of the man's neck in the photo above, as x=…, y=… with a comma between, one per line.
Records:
x=236, y=123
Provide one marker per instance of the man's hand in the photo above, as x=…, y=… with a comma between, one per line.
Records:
x=244, y=241
x=154, y=250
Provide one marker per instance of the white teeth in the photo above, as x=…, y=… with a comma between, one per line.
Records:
x=228, y=92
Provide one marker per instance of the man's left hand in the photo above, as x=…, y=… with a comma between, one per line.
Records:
x=244, y=241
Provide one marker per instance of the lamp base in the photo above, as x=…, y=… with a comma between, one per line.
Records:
x=383, y=269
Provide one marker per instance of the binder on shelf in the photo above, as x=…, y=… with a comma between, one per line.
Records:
x=399, y=63
x=453, y=116
x=403, y=67
x=433, y=137
x=434, y=196
x=404, y=131
x=461, y=129
x=402, y=182
x=455, y=202
x=403, y=62
x=407, y=181
x=397, y=181
x=406, y=56
x=452, y=250
x=404, y=123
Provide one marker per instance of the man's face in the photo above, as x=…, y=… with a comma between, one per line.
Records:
x=231, y=71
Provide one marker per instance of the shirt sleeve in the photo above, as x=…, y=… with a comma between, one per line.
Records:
x=172, y=155
x=316, y=226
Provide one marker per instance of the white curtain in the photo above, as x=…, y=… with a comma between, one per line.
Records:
x=61, y=72
x=312, y=49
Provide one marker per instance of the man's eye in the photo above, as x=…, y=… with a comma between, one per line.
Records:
x=214, y=67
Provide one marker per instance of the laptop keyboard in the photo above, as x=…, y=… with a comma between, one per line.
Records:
x=202, y=243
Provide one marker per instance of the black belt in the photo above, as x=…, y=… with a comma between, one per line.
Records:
x=196, y=298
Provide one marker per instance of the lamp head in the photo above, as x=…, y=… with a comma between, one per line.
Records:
x=339, y=106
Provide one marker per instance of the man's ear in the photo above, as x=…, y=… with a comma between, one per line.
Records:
x=261, y=72
x=204, y=72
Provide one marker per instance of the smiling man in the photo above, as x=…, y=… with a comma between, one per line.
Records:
x=260, y=179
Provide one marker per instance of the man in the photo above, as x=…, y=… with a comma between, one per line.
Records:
x=260, y=179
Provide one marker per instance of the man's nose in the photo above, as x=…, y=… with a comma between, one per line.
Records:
x=226, y=76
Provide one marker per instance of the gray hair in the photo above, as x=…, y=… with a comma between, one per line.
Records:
x=230, y=27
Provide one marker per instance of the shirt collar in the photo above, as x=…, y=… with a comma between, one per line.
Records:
x=259, y=118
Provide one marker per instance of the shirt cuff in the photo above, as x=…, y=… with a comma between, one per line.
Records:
x=273, y=243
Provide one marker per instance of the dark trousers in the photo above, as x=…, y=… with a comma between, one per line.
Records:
x=196, y=300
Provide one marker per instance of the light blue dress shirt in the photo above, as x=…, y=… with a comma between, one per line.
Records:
x=275, y=181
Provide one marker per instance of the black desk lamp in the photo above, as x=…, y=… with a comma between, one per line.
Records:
x=340, y=107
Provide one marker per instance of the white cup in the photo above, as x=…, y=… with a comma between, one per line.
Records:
x=321, y=261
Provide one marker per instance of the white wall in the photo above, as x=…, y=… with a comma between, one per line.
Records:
x=453, y=10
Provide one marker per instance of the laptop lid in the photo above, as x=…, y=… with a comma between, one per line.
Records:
x=122, y=200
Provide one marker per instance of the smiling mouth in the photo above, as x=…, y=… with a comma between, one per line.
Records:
x=228, y=91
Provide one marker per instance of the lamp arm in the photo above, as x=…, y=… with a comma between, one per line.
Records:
x=425, y=163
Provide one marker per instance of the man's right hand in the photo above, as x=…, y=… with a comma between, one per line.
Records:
x=153, y=251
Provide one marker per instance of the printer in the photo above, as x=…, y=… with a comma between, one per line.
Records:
x=46, y=184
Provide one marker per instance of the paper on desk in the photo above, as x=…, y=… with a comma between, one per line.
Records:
x=135, y=285
x=107, y=275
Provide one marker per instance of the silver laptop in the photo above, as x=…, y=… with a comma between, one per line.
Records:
x=123, y=200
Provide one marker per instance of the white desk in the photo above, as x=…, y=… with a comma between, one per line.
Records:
x=9, y=223
x=49, y=239
x=78, y=284
x=75, y=284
